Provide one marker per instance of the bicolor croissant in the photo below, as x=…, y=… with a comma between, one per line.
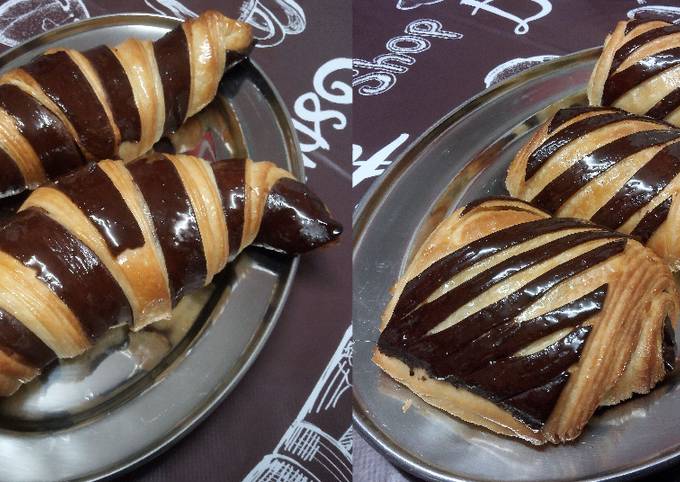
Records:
x=639, y=70
x=113, y=243
x=65, y=107
x=614, y=168
x=525, y=324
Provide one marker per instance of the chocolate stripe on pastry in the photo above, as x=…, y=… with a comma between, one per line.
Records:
x=668, y=345
x=10, y=175
x=174, y=221
x=638, y=41
x=590, y=166
x=666, y=105
x=623, y=81
x=640, y=189
x=567, y=135
x=172, y=57
x=57, y=74
x=651, y=221
x=563, y=116
x=17, y=340
x=118, y=90
x=96, y=196
x=294, y=220
x=70, y=269
x=231, y=180
x=424, y=284
x=43, y=130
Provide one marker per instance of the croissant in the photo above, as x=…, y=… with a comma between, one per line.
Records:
x=65, y=107
x=115, y=243
x=639, y=70
x=525, y=324
x=612, y=167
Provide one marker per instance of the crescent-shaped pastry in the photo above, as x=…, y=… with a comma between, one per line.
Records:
x=639, y=70
x=614, y=168
x=65, y=107
x=116, y=243
x=525, y=324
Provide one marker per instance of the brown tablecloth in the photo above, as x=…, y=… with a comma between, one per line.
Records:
x=305, y=50
x=416, y=60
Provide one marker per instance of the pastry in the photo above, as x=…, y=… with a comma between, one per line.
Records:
x=65, y=107
x=614, y=168
x=525, y=324
x=116, y=243
x=639, y=70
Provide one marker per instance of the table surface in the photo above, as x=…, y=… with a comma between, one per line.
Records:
x=305, y=50
x=416, y=60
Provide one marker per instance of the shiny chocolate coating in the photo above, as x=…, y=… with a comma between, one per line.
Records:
x=97, y=197
x=17, y=340
x=174, y=221
x=477, y=352
x=230, y=177
x=172, y=57
x=295, y=220
x=57, y=75
x=118, y=90
x=68, y=268
x=45, y=132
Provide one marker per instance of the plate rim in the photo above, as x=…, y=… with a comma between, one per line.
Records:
x=361, y=220
x=271, y=315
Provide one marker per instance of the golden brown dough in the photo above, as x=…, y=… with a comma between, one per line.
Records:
x=525, y=324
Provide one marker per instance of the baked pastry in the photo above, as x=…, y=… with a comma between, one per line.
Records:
x=639, y=70
x=65, y=108
x=614, y=168
x=116, y=243
x=525, y=324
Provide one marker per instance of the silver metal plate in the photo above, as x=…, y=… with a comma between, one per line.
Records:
x=463, y=157
x=135, y=393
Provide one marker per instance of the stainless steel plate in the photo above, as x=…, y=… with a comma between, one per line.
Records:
x=462, y=158
x=134, y=394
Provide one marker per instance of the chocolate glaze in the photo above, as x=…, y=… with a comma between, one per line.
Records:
x=478, y=202
x=17, y=340
x=567, y=135
x=418, y=289
x=172, y=58
x=651, y=221
x=641, y=188
x=587, y=168
x=164, y=146
x=618, y=84
x=668, y=345
x=11, y=179
x=625, y=50
x=230, y=176
x=174, y=221
x=68, y=268
x=118, y=90
x=632, y=24
x=96, y=196
x=666, y=105
x=563, y=116
x=64, y=83
x=295, y=220
x=476, y=353
x=43, y=130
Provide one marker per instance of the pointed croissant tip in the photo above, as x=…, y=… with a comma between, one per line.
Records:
x=295, y=220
